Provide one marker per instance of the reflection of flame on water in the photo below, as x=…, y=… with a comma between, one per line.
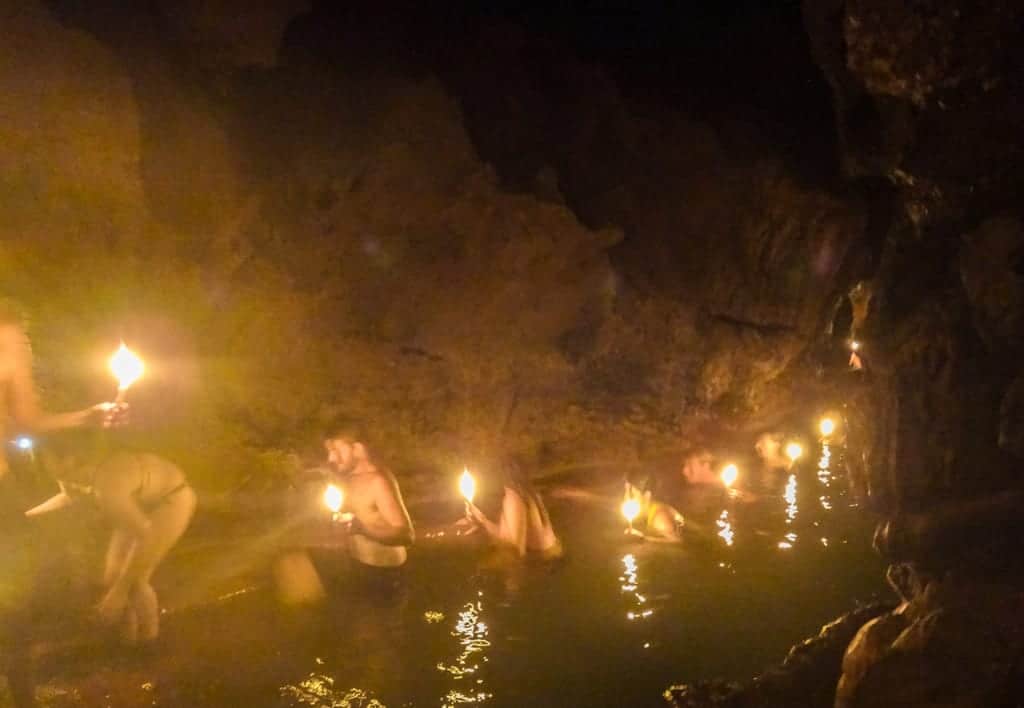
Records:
x=825, y=474
x=630, y=583
x=472, y=635
x=790, y=496
x=319, y=690
x=725, y=531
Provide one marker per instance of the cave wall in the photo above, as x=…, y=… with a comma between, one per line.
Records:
x=928, y=97
x=287, y=246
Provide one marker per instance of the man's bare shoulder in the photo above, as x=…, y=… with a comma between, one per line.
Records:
x=384, y=480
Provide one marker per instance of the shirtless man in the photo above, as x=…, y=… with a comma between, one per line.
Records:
x=379, y=528
x=19, y=402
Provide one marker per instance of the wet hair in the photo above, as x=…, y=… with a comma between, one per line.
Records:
x=85, y=446
x=350, y=433
x=512, y=474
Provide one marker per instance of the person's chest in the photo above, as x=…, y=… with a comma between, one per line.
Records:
x=360, y=497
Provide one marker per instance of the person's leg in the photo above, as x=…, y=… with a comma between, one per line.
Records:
x=130, y=625
x=147, y=611
x=118, y=551
x=168, y=521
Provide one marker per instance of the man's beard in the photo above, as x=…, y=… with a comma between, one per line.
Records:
x=347, y=467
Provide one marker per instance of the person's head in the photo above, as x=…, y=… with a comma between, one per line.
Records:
x=768, y=446
x=511, y=473
x=696, y=467
x=346, y=448
x=13, y=340
x=67, y=455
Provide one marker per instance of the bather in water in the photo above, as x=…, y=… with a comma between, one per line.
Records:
x=150, y=505
x=523, y=526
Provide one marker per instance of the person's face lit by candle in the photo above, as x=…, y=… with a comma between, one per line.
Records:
x=343, y=454
x=697, y=468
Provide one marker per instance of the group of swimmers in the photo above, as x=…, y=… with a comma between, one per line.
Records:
x=149, y=503
x=378, y=529
x=696, y=489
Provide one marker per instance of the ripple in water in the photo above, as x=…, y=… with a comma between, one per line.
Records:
x=318, y=690
x=471, y=632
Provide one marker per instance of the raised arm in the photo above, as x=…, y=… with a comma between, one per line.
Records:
x=25, y=410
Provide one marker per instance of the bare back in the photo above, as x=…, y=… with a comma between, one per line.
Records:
x=143, y=478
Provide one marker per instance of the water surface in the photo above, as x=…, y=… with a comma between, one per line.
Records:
x=611, y=625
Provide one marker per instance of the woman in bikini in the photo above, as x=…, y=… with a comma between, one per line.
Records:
x=149, y=504
x=523, y=526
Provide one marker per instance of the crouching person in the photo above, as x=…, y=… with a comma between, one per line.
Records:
x=149, y=503
x=368, y=524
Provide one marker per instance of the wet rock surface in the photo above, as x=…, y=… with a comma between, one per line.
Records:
x=807, y=677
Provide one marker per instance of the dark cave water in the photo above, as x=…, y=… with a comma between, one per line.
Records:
x=613, y=624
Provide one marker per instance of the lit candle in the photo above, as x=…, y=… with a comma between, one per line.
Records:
x=729, y=475
x=827, y=427
x=127, y=368
x=467, y=485
x=334, y=498
x=630, y=510
x=794, y=451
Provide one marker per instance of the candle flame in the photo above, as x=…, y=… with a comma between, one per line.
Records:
x=630, y=509
x=334, y=498
x=854, y=345
x=729, y=475
x=794, y=451
x=467, y=485
x=827, y=426
x=126, y=366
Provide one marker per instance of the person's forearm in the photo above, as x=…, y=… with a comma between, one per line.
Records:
x=50, y=422
x=57, y=501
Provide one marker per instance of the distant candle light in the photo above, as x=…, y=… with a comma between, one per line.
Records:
x=827, y=426
x=794, y=451
x=730, y=473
